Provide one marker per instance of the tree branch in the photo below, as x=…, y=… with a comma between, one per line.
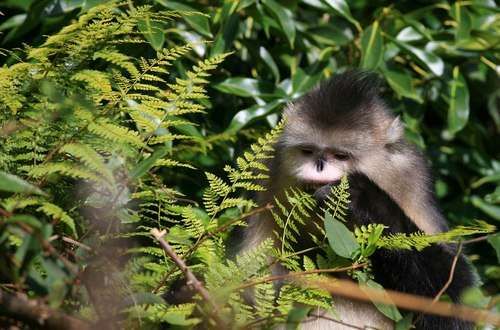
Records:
x=349, y=289
x=37, y=314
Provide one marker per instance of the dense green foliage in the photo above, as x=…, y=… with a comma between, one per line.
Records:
x=107, y=131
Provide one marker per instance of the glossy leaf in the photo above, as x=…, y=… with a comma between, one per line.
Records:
x=401, y=83
x=268, y=59
x=462, y=19
x=340, y=239
x=433, y=62
x=146, y=164
x=244, y=117
x=494, y=240
x=284, y=17
x=341, y=7
x=153, y=32
x=372, y=47
x=245, y=87
x=196, y=20
x=490, y=209
x=459, y=108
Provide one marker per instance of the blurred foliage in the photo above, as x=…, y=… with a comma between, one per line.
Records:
x=438, y=62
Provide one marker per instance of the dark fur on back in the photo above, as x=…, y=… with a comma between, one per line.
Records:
x=418, y=272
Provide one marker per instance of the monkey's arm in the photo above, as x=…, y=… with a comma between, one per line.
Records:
x=417, y=272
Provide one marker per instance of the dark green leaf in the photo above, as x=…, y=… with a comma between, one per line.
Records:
x=458, y=111
x=295, y=316
x=463, y=20
x=405, y=323
x=246, y=116
x=341, y=239
x=401, y=83
x=284, y=17
x=494, y=240
x=490, y=209
x=430, y=60
x=391, y=311
x=144, y=166
x=12, y=183
x=372, y=47
x=245, y=87
x=341, y=7
x=153, y=32
x=268, y=59
x=195, y=19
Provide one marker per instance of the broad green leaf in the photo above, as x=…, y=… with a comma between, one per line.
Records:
x=372, y=47
x=195, y=19
x=494, y=240
x=341, y=239
x=295, y=316
x=284, y=17
x=463, y=20
x=390, y=311
x=13, y=183
x=490, y=209
x=144, y=166
x=458, y=110
x=153, y=32
x=302, y=82
x=268, y=59
x=401, y=83
x=433, y=62
x=225, y=38
x=13, y=22
x=330, y=35
x=243, y=117
x=341, y=7
x=246, y=87
x=405, y=323
x=474, y=297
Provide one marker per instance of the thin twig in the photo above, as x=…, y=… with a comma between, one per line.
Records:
x=191, y=279
x=475, y=240
x=450, y=277
x=349, y=289
x=446, y=285
x=204, y=237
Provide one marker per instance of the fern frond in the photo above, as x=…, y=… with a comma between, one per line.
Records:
x=58, y=214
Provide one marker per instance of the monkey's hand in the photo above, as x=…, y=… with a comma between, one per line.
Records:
x=321, y=194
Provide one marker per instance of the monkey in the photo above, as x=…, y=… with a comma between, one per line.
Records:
x=343, y=127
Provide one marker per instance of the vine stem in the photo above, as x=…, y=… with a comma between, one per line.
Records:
x=191, y=278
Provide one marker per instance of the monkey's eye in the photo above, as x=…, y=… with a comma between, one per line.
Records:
x=306, y=151
x=342, y=156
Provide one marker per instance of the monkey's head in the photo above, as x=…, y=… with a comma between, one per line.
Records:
x=338, y=128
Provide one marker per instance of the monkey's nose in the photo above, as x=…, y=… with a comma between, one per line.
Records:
x=320, y=164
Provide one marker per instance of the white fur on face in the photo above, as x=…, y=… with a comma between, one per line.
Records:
x=308, y=172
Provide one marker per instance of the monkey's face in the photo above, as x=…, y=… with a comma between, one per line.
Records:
x=313, y=155
x=314, y=166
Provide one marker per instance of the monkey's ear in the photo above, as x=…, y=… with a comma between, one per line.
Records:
x=395, y=130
